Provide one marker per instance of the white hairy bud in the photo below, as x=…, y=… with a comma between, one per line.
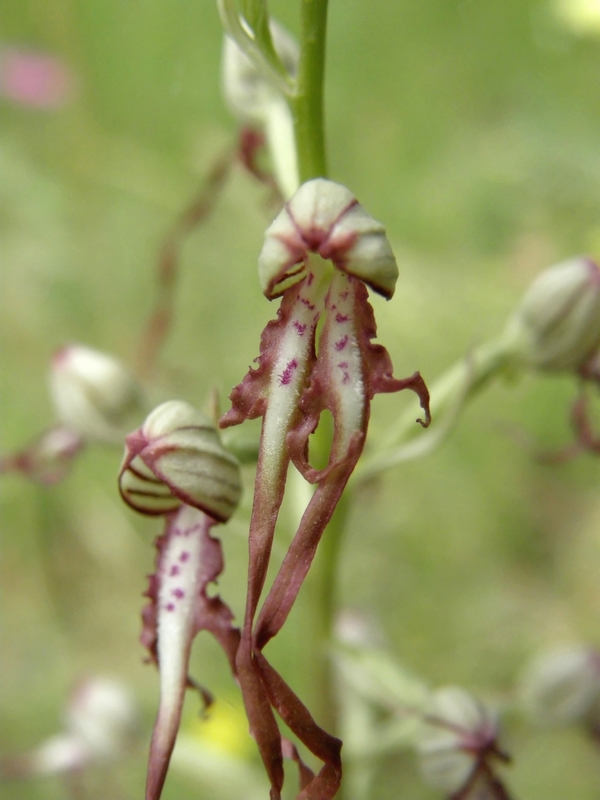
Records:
x=324, y=217
x=94, y=394
x=177, y=457
x=562, y=686
x=557, y=324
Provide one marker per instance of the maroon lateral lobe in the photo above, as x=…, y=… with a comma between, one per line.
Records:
x=249, y=398
x=297, y=717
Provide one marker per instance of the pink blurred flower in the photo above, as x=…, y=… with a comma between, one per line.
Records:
x=35, y=80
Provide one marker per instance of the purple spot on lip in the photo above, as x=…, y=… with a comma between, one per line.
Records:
x=346, y=378
x=343, y=365
x=175, y=570
x=343, y=295
x=300, y=327
x=307, y=303
x=184, y=556
x=170, y=607
x=309, y=279
x=341, y=318
x=286, y=376
x=178, y=593
x=341, y=343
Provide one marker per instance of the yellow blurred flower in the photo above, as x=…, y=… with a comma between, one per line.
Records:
x=223, y=727
x=581, y=16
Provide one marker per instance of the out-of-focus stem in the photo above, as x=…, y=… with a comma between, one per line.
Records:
x=161, y=318
x=449, y=394
x=323, y=608
x=307, y=102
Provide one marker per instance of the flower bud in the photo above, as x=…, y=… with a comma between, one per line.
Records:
x=258, y=101
x=177, y=457
x=458, y=731
x=557, y=325
x=562, y=686
x=324, y=217
x=94, y=395
x=248, y=93
x=102, y=714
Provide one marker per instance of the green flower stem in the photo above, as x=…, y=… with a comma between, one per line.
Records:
x=307, y=102
x=449, y=395
x=309, y=129
x=323, y=606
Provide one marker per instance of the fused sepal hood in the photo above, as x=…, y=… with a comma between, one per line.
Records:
x=324, y=217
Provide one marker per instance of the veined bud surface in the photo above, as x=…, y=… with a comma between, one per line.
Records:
x=94, y=394
x=177, y=457
x=557, y=325
x=562, y=686
x=324, y=217
x=458, y=732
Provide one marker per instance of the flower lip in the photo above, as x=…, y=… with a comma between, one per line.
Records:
x=326, y=218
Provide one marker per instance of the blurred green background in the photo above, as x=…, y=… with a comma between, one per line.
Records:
x=472, y=130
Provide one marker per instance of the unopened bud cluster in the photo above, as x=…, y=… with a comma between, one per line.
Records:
x=177, y=457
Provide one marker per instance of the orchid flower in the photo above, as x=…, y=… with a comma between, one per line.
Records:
x=294, y=382
x=175, y=466
x=458, y=747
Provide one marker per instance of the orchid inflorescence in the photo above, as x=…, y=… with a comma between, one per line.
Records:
x=321, y=255
x=175, y=466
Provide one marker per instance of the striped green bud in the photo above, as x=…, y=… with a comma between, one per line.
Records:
x=177, y=457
